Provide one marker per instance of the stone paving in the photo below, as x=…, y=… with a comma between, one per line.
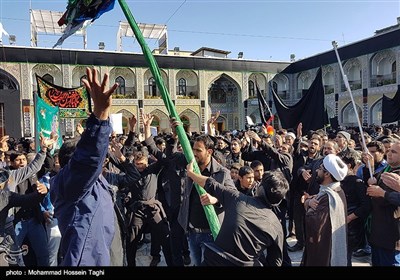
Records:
x=143, y=257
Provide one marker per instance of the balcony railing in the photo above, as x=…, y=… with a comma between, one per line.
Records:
x=191, y=92
x=191, y=95
x=354, y=85
x=283, y=94
x=147, y=95
x=129, y=93
x=382, y=80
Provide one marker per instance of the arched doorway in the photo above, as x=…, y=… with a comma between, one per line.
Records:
x=186, y=123
x=220, y=124
x=190, y=119
x=349, y=117
x=156, y=123
x=376, y=113
x=223, y=96
x=11, y=110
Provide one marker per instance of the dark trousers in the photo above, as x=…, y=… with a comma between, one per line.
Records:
x=280, y=212
x=148, y=215
x=178, y=239
x=384, y=257
x=298, y=215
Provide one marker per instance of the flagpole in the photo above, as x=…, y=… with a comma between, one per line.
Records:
x=187, y=149
x=35, y=126
x=269, y=109
x=346, y=83
x=262, y=103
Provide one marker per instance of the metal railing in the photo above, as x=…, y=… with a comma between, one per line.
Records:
x=354, y=85
x=382, y=80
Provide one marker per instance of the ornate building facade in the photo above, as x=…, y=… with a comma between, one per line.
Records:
x=215, y=84
x=200, y=86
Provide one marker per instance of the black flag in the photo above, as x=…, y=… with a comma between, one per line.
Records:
x=265, y=112
x=310, y=110
x=391, y=108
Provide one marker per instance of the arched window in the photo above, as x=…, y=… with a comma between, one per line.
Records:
x=251, y=89
x=48, y=78
x=376, y=113
x=329, y=83
x=156, y=122
x=303, y=84
x=6, y=82
x=349, y=117
x=152, y=87
x=121, y=89
x=83, y=77
x=182, y=86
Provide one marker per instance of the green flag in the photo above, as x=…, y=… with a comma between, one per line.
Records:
x=46, y=122
x=187, y=149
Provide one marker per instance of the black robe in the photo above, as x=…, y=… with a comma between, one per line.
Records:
x=318, y=233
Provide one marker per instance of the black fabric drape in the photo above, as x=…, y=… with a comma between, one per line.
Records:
x=334, y=123
x=310, y=110
x=391, y=108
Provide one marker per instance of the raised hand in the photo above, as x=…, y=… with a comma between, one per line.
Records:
x=79, y=128
x=214, y=118
x=46, y=142
x=299, y=130
x=3, y=143
x=116, y=150
x=146, y=118
x=99, y=92
x=211, y=123
x=132, y=123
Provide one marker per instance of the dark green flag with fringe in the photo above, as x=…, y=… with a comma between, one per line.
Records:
x=187, y=149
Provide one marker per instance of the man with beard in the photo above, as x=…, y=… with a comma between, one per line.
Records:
x=309, y=171
x=191, y=214
x=299, y=187
x=385, y=222
x=325, y=220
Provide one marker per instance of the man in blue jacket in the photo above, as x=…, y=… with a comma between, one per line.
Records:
x=80, y=194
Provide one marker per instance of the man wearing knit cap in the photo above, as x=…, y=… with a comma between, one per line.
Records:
x=343, y=138
x=325, y=220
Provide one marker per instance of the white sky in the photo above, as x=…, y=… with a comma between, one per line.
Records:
x=262, y=30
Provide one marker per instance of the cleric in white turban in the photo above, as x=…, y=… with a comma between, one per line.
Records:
x=325, y=220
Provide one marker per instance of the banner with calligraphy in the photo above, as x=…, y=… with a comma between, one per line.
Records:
x=73, y=102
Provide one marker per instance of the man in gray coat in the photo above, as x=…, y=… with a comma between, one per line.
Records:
x=191, y=215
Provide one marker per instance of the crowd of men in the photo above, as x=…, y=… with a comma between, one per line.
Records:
x=91, y=202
